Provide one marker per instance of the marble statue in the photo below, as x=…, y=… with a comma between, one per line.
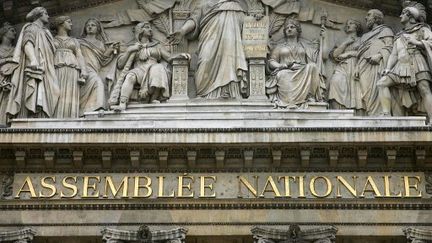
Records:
x=344, y=89
x=409, y=66
x=373, y=52
x=295, y=77
x=222, y=65
x=35, y=91
x=70, y=69
x=141, y=65
x=7, y=37
x=98, y=52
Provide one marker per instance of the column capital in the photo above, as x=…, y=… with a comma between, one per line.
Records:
x=144, y=234
x=325, y=234
x=415, y=235
x=18, y=236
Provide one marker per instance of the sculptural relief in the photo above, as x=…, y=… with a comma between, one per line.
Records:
x=70, y=69
x=97, y=52
x=373, y=52
x=409, y=69
x=295, y=77
x=152, y=76
x=35, y=91
x=344, y=89
x=7, y=36
x=222, y=65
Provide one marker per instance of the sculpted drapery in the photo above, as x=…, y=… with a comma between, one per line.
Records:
x=35, y=91
x=7, y=35
x=93, y=94
x=69, y=64
x=222, y=64
x=373, y=52
x=344, y=89
x=295, y=77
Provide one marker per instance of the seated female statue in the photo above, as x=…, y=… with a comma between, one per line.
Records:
x=295, y=78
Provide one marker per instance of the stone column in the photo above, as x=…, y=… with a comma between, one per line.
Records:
x=19, y=236
x=180, y=80
x=415, y=235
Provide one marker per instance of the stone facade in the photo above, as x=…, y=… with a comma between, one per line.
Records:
x=204, y=121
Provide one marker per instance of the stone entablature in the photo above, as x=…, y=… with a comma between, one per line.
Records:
x=294, y=235
x=19, y=236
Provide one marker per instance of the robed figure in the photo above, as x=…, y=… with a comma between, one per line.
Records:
x=35, y=91
x=222, y=65
x=373, y=52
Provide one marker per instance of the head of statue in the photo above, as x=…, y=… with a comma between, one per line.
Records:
x=7, y=31
x=353, y=26
x=292, y=28
x=38, y=13
x=414, y=13
x=143, y=28
x=374, y=17
x=64, y=22
x=94, y=27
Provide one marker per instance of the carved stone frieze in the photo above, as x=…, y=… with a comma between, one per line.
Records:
x=294, y=235
x=6, y=186
x=144, y=234
x=19, y=236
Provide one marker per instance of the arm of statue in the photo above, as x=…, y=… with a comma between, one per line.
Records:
x=112, y=48
x=122, y=60
x=393, y=58
x=169, y=58
x=81, y=62
x=178, y=36
x=30, y=53
x=338, y=51
x=384, y=52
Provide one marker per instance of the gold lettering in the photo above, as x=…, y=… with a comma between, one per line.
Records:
x=313, y=189
x=203, y=186
x=388, y=192
x=67, y=185
x=301, y=187
x=188, y=186
x=374, y=188
x=273, y=188
x=109, y=183
x=147, y=186
x=46, y=185
x=245, y=182
x=88, y=186
x=351, y=189
x=409, y=186
x=287, y=184
x=27, y=182
x=161, y=188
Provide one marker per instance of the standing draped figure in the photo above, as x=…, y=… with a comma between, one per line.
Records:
x=93, y=94
x=70, y=69
x=35, y=91
x=373, y=52
x=7, y=36
x=344, y=89
x=222, y=63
